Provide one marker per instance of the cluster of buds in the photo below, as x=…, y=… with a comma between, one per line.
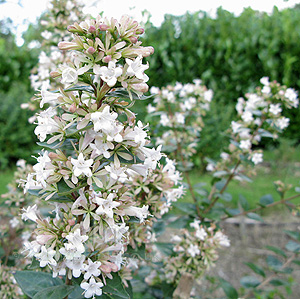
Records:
x=59, y=15
x=195, y=250
x=180, y=109
x=94, y=150
x=13, y=230
x=8, y=286
x=260, y=115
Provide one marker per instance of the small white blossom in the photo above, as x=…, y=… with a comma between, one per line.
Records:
x=92, y=269
x=92, y=288
x=45, y=257
x=30, y=213
x=81, y=166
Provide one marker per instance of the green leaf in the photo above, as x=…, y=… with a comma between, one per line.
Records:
x=35, y=192
x=293, y=246
x=165, y=248
x=254, y=216
x=243, y=202
x=293, y=234
x=232, y=212
x=81, y=88
x=228, y=289
x=123, y=94
x=278, y=282
x=115, y=287
x=258, y=270
x=32, y=282
x=56, y=292
x=139, y=252
x=249, y=282
x=276, y=250
x=266, y=200
x=274, y=263
x=186, y=207
x=225, y=196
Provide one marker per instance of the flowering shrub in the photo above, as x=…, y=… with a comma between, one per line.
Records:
x=95, y=151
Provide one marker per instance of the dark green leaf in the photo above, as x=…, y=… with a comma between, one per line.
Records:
x=293, y=234
x=266, y=200
x=254, y=216
x=274, y=263
x=139, y=252
x=276, y=250
x=243, y=202
x=56, y=292
x=249, y=282
x=123, y=94
x=81, y=88
x=225, y=196
x=186, y=207
x=232, y=212
x=228, y=289
x=258, y=270
x=115, y=287
x=278, y=282
x=165, y=248
x=32, y=282
x=293, y=246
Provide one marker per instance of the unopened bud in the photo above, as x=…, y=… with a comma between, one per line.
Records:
x=142, y=87
x=103, y=27
x=91, y=50
x=53, y=156
x=71, y=221
x=140, y=31
x=105, y=268
x=43, y=239
x=72, y=108
x=107, y=59
x=55, y=74
x=92, y=29
x=133, y=39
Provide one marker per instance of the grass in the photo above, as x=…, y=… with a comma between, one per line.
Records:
x=6, y=177
x=279, y=164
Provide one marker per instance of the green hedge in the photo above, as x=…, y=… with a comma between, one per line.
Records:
x=230, y=54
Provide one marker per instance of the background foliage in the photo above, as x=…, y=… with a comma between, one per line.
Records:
x=230, y=54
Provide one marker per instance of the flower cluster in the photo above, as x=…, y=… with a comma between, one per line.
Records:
x=260, y=115
x=94, y=148
x=180, y=109
x=194, y=251
x=8, y=287
x=13, y=230
x=54, y=22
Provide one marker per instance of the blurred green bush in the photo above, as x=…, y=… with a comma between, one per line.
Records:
x=16, y=134
x=230, y=54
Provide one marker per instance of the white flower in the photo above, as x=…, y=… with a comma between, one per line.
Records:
x=138, y=134
x=116, y=173
x=136, y=68
x=106, y=206
x=76, y=265
x=193, y=250
x=152, y=156
x=164, y=120
x=69, y=76
x=92, y=288
x=282, y=122
x=81, y=166
x=77, y=239
x=222, y=239
x=291, y=95
x=92, y=269
x=109, y=74
x=179, y=117
x=33, y=248
x=247, y=116
x=208, y=95
x=257, y=158
x=150, y=108
x=101, y=148
x=46, y=124
x=45, y=257
x=210, y=167
x=275, y=109
x=201, y=234
x=48, y=97
x=14, y=222
x=235, y=126
x=30, y=213
x=117, y=260
x=141, y=213
x=265, y=81
x=70, y=251
x=245, y=144
x=266, y=90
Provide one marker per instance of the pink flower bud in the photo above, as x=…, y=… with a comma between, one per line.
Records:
x=72, y=108
x=105, y=268
x=140, y=31
x=55, y=74
x=53, y=156
x=91, y=50
x=43, y=239
x=142, y=87
x=103, y=27
x=133, y=39
x=71, y=221
x=92, y=29
x=107, y=59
